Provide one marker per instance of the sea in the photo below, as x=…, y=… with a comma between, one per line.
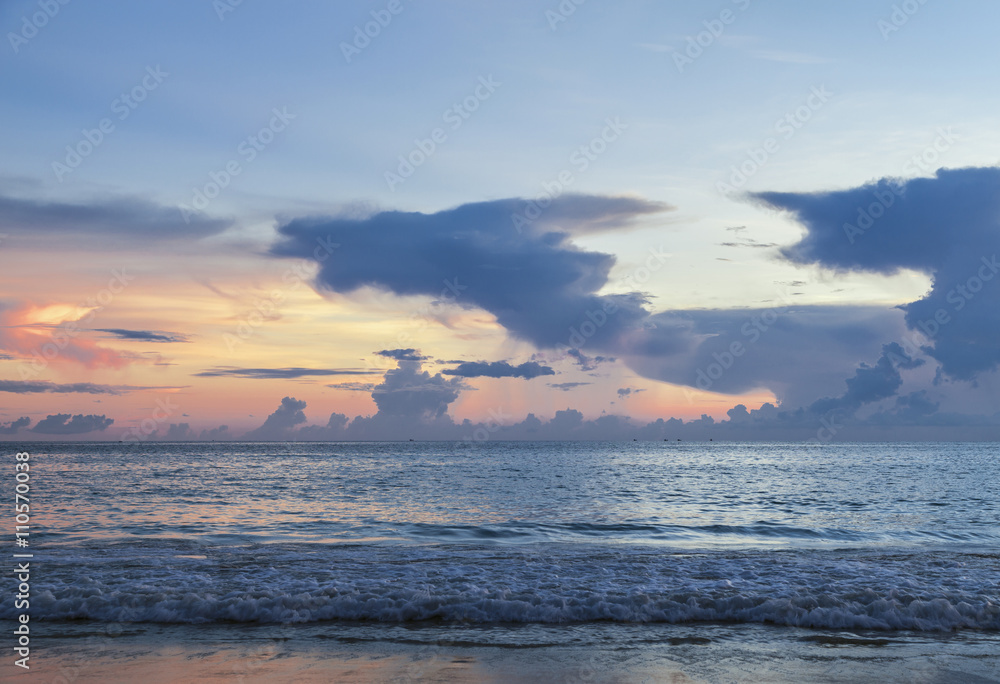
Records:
x=516, y=561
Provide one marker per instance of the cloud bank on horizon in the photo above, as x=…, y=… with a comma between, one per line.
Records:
x=413, y=404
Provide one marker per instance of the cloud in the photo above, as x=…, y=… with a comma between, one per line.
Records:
x=544, y=289
x=27, y=331
x=567, y=386
x=276, y=373
x=798, y=352
x=64, y=424
x=279, y=424
x=499, y=369
x=354, y=386
x=624, y=392
x=947, y=227
x=914, y=408
x=35, y=387
x=407, y=393
x=401, y=354
x=871, y=383
x=333, y=430
x=221, y=432
x=749, y=242
x=14, y=426
x=144, y=335
x=588, y=363
x=536, y=282
x=101, y=223
x=179, y=432
x=413, y=404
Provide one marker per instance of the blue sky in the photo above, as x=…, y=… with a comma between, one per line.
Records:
x=667, y=103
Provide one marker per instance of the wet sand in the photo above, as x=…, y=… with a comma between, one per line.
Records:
x=712, y=653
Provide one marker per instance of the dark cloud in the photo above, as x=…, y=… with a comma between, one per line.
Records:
x=499, y=369
x=540, y=286
x=798, y=352
x=279, y=424
x=408, y=393
x=333, y=430
x=14, y=426
x=411, y=402
x=221, y=432
x=39, y=386
x=871, y=383
x=543, y=289
x=102, y=223
x=583, y=214
x=354, y=386
x=947, y=227
x=401, y=354
x=588, y=363
x=179, y=432
x=65, y=424
x=628, y=391
x=276, y=373
x=749, y=242
x=144, y=335
x=567, y=386
x=914, y=408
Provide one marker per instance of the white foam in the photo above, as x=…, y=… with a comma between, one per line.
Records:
x=560, y=584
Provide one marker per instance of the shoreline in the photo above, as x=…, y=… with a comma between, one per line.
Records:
x=601, y=653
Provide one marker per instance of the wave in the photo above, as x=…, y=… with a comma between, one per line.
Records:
x=497, y=604
x=486, y=585
x=517, y=531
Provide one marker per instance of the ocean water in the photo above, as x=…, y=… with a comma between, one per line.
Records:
x=523, y=545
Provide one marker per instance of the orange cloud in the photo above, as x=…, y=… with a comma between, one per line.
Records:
x=52, y=333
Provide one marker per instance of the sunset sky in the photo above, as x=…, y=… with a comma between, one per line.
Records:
x=223, y=213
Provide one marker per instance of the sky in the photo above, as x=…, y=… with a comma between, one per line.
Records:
x=734, y=219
